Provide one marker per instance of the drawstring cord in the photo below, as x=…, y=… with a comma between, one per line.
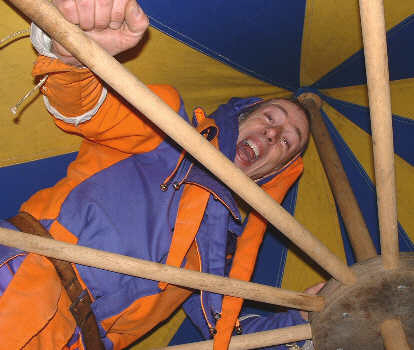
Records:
x=27, y=95
x=12, y=36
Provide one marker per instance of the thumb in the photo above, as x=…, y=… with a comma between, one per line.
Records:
x=315, y=289
x=135, y=18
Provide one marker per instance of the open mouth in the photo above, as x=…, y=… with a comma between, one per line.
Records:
x=253, y=147
x=248, y=151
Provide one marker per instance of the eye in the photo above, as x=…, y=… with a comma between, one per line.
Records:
x=284, y=141
x=269, y=118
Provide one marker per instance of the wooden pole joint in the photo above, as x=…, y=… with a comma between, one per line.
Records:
x=310, y=100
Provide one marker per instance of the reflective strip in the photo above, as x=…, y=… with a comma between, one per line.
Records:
x=41, y=41
x=80, y=119
x=245, y=317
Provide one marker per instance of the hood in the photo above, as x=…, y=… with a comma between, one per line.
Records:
x=226, y=118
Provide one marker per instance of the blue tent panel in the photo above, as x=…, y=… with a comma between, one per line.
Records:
x=19, y=182
x=187, y=333
x=365, y=193
x=403, y=127
x=400, y=57
x=270, y=55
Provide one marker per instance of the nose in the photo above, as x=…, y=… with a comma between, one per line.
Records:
x=272, y=134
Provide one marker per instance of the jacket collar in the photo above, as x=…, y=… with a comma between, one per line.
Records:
x=223, y=126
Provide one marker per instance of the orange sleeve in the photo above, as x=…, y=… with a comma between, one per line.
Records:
x=73, y=91
x=34, y=309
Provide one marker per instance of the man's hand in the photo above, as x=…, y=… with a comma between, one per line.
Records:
x=116, y=25
x=312, y=291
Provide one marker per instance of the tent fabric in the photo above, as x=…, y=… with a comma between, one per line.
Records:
x=212, y=51
x=200, y=25
x=402, y=127
x=352, y=71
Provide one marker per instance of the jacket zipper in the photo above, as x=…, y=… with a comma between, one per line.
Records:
x=165, y=183
x=212, y=330
x=216, y=197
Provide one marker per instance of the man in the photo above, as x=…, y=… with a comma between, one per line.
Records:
x=133, y=191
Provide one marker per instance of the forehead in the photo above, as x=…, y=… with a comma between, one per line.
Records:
x=293, y=112
x=292, y=109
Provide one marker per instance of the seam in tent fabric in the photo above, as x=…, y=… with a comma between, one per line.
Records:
x=349, y=252
x=403, y=120
x=351, y=105
x=365, y=125
x=404, y=237
x=358, y=55
x=339, y=141
x=213, y=54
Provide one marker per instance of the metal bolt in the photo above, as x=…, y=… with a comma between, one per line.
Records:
x=403, y=287
x=346, y=315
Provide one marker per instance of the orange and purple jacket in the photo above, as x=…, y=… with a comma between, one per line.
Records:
x=132, y=191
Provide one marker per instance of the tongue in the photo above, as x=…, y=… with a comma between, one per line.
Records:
x=245, y=153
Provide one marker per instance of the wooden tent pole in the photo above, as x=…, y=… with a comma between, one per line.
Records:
x=376, y=65
x=254, y=340
x=393, y=335
x=344, y=196
x=127, y=85
x=159, y=272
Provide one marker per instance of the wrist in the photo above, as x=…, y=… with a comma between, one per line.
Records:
x=44, y=45
x=69, y=60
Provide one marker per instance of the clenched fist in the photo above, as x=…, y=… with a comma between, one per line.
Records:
x=116, y=25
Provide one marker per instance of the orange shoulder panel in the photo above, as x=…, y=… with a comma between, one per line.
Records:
x=248, y=246
x=190, y=213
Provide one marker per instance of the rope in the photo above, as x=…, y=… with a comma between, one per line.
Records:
x=13, y=36
x=28, y=94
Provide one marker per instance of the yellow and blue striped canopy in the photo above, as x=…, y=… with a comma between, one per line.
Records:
x=211, y=51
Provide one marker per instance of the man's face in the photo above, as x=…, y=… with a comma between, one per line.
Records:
x=272, y=135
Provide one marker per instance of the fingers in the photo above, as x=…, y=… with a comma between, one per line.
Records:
x=86, y=11
x=315, y=289
x=312, y=291
x=135, y=18
x=118, y=14
x=79, y=12
x=68, y=9
x=88, y=14
x=304, y=315
x=116, y=25
x=103, y=11
x=103, y=14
